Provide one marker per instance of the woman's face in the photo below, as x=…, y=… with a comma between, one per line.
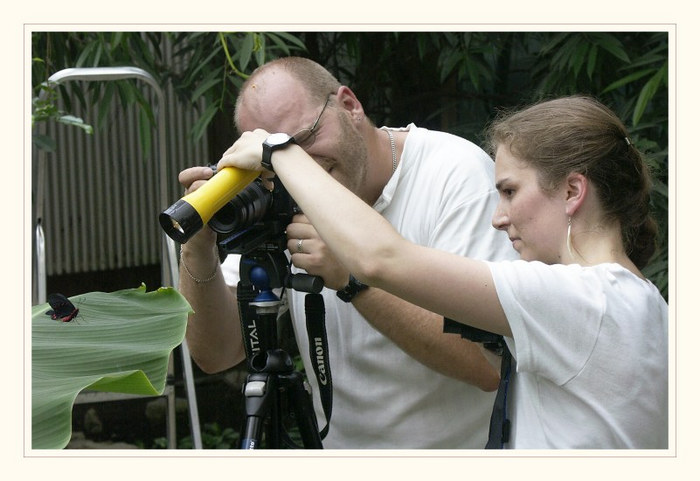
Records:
x=534, y=220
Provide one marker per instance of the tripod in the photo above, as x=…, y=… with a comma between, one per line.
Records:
x=272, y=381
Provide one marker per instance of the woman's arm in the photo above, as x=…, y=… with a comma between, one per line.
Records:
x=367, y=244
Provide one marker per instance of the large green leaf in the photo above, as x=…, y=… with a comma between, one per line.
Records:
x=118, y=342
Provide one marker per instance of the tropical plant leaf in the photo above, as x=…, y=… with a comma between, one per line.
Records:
x=118, y=342
x=44, y=142
x=75, y=121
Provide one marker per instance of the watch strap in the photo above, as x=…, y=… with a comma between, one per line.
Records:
x=269, y=148
x=266, y=160
x=354, y=287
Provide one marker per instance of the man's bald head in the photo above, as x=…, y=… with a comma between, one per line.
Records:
x=282, y=87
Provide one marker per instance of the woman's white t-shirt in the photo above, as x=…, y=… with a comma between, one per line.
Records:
x=591, y=345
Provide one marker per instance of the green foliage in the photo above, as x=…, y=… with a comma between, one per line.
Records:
x=44, y=109
x=457, y=81
x=205, y=66
x=118, y=342
x=213, y=437
x=214, y=66
x=452, y=81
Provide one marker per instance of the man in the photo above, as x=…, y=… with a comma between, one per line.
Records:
x=398, y=380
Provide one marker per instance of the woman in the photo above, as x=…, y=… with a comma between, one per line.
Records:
x=588, y=331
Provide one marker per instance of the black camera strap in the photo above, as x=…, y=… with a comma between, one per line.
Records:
x=318, y=352
x=499, y=425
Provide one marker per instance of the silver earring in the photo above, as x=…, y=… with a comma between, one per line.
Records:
x=568, y=239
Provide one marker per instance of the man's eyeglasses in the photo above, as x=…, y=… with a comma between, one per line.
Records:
x=306, y=137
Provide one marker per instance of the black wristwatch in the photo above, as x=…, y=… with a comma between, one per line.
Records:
x=272, y=143
x=348, y=292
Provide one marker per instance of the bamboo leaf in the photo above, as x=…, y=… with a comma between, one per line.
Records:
x=200, y=126
x=628, y=79
x=561, y=59
x=206, y=85
x=285, y=41
x=592, y=57
x=578, y=58
x=87, y=51
x=553, y=42
x=245, y=51
x=261, y=50
x=613, y=46
x=647, y=93
x=449, y=61
x=105, y=104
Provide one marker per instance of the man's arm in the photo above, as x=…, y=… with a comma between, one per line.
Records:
x=416, y=331
x=213, y=331
x=419, y=333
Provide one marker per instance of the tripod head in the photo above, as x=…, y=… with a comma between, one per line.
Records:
x=254, y=225
x=262, y=271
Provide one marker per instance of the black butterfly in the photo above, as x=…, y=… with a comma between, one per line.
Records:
x=62, y=309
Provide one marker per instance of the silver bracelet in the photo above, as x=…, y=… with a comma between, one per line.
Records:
x=196, y=279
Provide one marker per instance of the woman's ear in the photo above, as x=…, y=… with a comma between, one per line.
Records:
x=576, y=192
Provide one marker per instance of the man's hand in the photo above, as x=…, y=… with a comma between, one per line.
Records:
x=192, y=179
x=310, y=253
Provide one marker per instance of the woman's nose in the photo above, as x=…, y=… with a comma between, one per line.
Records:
x=499, y=219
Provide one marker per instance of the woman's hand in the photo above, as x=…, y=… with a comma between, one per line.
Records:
x=246, y=152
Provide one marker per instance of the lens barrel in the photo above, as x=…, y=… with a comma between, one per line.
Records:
x=248, y=207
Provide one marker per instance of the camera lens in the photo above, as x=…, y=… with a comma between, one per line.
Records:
x=244, y=210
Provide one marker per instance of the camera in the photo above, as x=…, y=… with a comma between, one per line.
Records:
x=249, y=220
x=492, y=342
x=256, y=218
x=188, y=215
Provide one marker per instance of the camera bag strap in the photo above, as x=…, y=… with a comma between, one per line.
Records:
x=318, y=352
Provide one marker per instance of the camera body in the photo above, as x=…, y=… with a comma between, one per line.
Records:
x=256, y=219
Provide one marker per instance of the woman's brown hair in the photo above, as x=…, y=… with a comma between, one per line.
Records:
x=580, y=134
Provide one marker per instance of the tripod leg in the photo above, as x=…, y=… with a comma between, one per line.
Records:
x=302, y=405
x=259, y=391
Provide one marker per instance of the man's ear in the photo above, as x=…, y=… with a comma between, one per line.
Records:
x=576, y=192
x=347, y=101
